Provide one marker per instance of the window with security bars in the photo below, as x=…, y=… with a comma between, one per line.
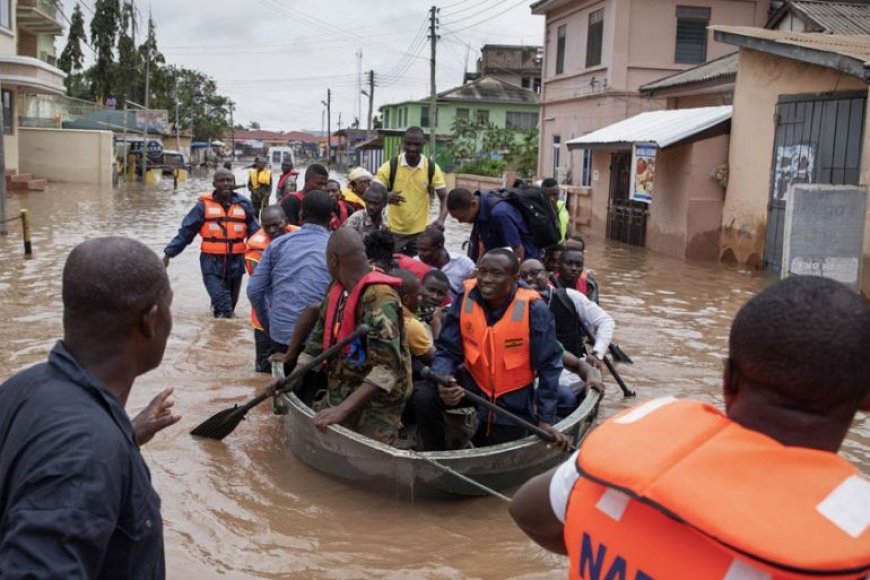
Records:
x=691, y=46
x=461, y=114
x=424, y=116
x=595, y=38
x=586, y=168
x=560, y=50
x=517, y=120
x=8, y=123
x=482, y=116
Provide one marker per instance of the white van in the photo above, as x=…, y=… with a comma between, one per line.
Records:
x=277, y=155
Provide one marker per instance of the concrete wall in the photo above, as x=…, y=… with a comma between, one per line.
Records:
x=638, y=47
x=67, y=155
x=761, y=79
x=686, y=212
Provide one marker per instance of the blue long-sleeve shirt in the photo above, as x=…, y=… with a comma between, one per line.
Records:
x=291, y=275
x=500, y=225
x=531, y=403
x=194, y=219
x=76, y=499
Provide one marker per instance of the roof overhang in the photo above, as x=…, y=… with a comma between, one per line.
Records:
x=659, y=128
x=779, y=44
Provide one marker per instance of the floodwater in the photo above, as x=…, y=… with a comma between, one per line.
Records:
x=245, y=507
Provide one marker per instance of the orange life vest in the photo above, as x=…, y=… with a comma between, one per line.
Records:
x=339, y=216
x=581, y=285
x=347, y=321
x=256, y=245
x=675, y=489
x=498, y=357
x=223, y=231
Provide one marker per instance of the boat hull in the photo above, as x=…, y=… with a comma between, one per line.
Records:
x=345, y=454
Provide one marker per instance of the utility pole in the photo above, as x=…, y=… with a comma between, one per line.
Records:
x=232, y=130
x=359, y=76
x=147, y=90
x=371, y=95
x=433, y=112
x=328, y=104
x=177, y=126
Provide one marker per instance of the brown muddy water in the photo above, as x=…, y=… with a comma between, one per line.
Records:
x=245, y=507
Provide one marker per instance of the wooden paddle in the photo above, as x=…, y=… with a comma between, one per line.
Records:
x=626, y=392
x=222, y=424
x=428, y=374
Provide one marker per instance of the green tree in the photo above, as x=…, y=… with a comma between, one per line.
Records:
x=127, y=72
x=152, y=61
x=254, y=126
x=200, y=108
x=72, y=58
x=104, y=31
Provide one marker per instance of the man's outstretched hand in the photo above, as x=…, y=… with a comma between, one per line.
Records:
x=156, y=417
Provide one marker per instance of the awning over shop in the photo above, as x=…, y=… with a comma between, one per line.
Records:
x=661, y=128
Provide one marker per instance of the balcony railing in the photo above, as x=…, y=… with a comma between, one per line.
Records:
x=51, y=111
x=39, y=16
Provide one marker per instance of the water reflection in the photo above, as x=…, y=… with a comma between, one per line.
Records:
x=246, y=508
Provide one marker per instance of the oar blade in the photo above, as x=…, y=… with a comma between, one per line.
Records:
x=619, y=355
x=221, y=424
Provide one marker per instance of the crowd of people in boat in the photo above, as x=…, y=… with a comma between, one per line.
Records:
x=502, y=321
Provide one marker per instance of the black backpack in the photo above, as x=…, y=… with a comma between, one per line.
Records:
x=537, y=212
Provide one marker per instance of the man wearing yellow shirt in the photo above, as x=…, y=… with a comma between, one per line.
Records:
x=408, y=214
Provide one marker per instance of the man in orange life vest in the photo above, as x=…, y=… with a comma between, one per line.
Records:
x=224, y=220
x=571, y=274
x=676, y=489
x=497, y=338
x=274, y=226
x=368, y=386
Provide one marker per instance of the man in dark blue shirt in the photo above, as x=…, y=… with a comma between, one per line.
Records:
x=76, y=499
x=496, y=224
x=224, y=220
x=533, y=353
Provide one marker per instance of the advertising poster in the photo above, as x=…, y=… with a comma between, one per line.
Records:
x=643, y=170
x=793, y=164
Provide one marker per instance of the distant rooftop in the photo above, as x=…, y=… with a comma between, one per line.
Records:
x=847, y=18
x=490, y=89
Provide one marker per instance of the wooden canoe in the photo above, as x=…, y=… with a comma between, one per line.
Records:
x=345, y=454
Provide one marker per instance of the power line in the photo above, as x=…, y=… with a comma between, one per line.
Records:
x=449, y=14
x=489, y=17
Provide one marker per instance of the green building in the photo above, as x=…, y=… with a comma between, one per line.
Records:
x=486, y=100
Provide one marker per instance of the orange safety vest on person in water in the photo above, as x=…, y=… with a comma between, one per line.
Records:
x=256, y=245
x=675, y=489
x=498, y=357
x=223, y=231
x=339, y=325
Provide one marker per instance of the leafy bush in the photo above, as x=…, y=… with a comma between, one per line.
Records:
x=487, y=167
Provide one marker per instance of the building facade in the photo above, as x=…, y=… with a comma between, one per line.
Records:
x=598, y=53
x=517, y=65
x=27, y=59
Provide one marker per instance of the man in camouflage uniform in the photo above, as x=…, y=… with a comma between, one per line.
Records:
x=367, y=386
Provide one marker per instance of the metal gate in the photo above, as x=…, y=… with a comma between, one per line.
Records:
x=817, y=140
x=626, y=219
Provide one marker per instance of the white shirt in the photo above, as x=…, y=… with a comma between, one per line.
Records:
x=596, y=319
x=458, y=269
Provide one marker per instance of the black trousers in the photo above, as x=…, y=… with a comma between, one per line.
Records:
x=262, y=349
x=426, y=409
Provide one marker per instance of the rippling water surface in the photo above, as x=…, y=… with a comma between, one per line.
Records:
x=245, y=507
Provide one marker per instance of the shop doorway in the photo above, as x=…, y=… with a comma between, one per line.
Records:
x=626, y=219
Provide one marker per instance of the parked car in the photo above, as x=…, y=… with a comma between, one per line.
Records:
x=173, y=160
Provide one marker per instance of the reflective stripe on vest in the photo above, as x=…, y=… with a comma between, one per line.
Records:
x=695, y=495
x=498, y=357
x=223, y=231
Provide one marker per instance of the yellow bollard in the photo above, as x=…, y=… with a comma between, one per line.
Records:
x=25, y=230
x=153, y=176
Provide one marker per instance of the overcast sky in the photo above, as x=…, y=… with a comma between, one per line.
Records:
x=276, y=58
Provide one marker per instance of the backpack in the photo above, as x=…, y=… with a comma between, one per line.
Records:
x=394, y=165
x=537, y=212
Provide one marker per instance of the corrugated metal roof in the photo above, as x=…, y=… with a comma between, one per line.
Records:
x=490, y=89
x=855, y=49
x=660, y=127
x=848, y=18
x=720, y=68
